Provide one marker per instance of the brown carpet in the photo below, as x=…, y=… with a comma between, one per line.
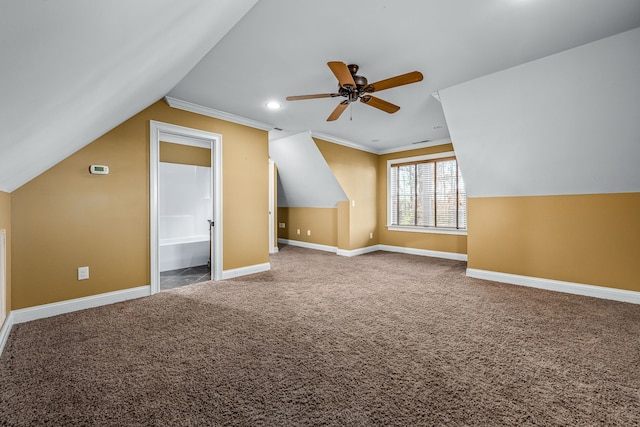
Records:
x=379, y=339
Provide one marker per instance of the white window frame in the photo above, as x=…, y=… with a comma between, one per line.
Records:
x=409, y=228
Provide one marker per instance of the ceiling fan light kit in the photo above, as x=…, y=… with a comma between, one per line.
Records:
x=354, y=87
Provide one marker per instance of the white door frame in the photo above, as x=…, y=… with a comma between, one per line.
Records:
x=273, y=248
x=175, y=133
x=3, y=279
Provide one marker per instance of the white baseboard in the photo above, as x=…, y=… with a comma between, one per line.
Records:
x=4, y=332
x=308, y=245
x=47, y=310
x=557, y=285
x=244, y=271
x=359, y=251
x=274, y=250
x=367, y=249
x=424, y=252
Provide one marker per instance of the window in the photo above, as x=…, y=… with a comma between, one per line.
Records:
x=427, y=193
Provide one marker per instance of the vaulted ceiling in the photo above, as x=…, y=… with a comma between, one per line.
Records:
x=72, y=69
x=281, y=48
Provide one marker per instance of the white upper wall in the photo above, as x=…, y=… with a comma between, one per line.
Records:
x=304, y=177
x=72, y=69
x=568, y=123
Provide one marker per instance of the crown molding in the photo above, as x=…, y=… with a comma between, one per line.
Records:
x=216, y=114
x=350, y=144
x=433, y=143
x=341, y=141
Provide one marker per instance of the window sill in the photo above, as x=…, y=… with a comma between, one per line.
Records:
x=431, y=230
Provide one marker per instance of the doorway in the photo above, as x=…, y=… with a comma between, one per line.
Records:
x=174, y=134
x=185, y=214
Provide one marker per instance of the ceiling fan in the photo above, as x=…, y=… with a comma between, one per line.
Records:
x=354, y=87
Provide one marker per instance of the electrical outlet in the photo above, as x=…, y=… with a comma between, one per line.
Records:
x=308, y=232
x=353, y=203
x=83, y=273
x=282, y=225
x=298, y=231
x=371, y=235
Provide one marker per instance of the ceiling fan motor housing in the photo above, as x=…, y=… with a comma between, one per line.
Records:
x=348, y=92
x=361, y=81
x=352, y=93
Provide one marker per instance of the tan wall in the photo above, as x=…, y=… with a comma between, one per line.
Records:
x=344, y=225
x=67, y=218
x=356, y=171
x=363, y=177
x=184, y=154
x=5, y=223
x=245, y=180
x=591, y=239
x=321, y=221
x=429, y=241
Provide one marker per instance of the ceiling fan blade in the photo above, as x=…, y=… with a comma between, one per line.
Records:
x=403, y=79
x=319, y=95
x=380, y=104
x=338, y=111
x=342, y=73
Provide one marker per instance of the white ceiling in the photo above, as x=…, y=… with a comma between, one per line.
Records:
x=71, y=70
x=281, y=48
x=564, y=124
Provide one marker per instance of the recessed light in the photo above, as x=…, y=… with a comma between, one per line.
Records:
x=273, y=105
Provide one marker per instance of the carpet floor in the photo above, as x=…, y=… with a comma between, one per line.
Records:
x=380, y=339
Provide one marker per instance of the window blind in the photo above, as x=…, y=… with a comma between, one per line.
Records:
x=428, y=194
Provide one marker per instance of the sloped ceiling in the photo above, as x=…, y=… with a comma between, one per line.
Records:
x=305, y=178
x=74, y=69
x=71, y=70
x=564, y=124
